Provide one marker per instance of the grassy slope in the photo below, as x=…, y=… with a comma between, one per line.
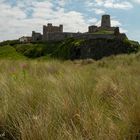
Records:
x=104, y=32
x=80, y=100
x=8, y=52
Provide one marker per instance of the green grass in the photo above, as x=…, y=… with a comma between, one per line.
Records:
x=8, y=52
x=104, y=32
x=70, y=100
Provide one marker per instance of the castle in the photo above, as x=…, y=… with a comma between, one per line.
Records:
x=55, y=33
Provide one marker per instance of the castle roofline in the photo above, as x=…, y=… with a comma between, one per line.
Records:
x=106, y=15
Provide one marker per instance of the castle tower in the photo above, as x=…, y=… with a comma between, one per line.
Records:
x=106, y=21
x=61, y=28
x=92, y=29
x=51, y=30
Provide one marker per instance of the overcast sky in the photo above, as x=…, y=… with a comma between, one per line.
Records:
x=20, y=17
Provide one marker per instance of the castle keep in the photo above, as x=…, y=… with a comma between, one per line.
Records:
x=55, y=33
x=50, y=28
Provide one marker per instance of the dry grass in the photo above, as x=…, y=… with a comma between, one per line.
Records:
x=70, y=100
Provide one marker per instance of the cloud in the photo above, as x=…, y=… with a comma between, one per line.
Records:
x=113, y=4
x=115, y=22
x=92, y=21
x=123, y=30
x=16, y=22
x=118, y=5
x=137, y=1
x=99, y=11
x=62, y=3
x=42, y=9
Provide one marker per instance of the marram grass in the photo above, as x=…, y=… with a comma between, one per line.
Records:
x=79, y=100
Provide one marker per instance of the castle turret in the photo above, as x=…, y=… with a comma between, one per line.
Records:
x=49, y=24
x=92, y=29
x=61, y=28
x=106, y=21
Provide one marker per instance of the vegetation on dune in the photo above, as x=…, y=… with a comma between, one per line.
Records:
x=79, y=100
x=34, y=50
x=71, y=48
x=8, y=52
x=9, y=42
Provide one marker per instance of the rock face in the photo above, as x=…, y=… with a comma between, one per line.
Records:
x=97, y=48
x=101, y=48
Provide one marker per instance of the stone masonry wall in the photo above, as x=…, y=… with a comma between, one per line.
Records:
x=58, y=36
x=36, y=36
x=86, y=36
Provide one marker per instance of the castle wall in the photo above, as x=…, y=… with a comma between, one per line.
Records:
x=86, y=36
x=92, y=29
x=36, y=36
x=106, y=28
x=58, y=36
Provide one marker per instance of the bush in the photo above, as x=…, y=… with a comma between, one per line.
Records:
x=9, y=42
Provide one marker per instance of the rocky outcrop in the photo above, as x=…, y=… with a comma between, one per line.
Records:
x=97, y=48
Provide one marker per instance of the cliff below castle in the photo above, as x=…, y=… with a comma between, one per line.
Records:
x=95, y=48
x=72, y=48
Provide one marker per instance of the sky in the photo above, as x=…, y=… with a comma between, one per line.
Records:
x=20, y=17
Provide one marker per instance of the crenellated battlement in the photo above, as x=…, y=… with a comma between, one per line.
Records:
x=52, y=29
